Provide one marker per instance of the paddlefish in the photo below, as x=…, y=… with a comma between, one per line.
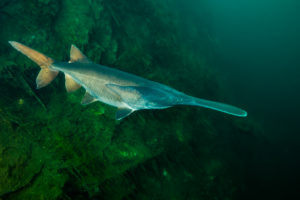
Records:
x=123, y=90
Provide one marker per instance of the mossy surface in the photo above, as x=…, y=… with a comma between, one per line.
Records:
x=52, y=147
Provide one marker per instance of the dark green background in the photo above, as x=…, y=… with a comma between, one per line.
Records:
x=244, y=53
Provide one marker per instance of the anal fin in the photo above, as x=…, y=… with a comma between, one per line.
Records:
x=87, y=99
x=71, y=85
x=123, y=112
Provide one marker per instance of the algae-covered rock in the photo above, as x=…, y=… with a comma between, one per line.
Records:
x=74, y=22
x=20, y=162
x=47, y=184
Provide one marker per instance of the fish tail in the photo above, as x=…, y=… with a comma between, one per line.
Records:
x=46, y=75
x=225, y=108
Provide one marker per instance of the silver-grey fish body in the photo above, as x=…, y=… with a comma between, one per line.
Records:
x=125, y=91
x=118, y=88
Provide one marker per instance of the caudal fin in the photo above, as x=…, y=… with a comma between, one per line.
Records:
x=46, y=75
x=225, y=108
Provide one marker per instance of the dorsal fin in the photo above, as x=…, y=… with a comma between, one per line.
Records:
x=71, y=85
x=77, y=56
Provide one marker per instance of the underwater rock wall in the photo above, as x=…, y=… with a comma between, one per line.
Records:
x=51, y=147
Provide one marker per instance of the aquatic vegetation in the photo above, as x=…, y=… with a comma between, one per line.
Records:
x=51, y=147
x=73, y=24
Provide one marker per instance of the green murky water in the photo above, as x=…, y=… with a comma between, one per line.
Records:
x=52, y=147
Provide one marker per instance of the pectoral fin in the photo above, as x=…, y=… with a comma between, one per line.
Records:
x=87, y=99
x=71, y=85
x=123, y=112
